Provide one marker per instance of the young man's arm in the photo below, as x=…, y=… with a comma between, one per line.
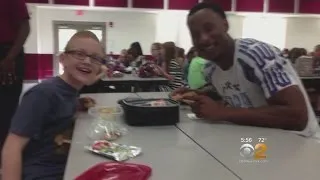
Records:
x=286, y=108
x=12, y=157
x=26, y=124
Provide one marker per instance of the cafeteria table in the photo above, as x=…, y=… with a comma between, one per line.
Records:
x=288, y=156
x=168, y=151
x=134, y=82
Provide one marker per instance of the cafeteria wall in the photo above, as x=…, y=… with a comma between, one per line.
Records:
x=128, y=27
x=303, y=32
x=145, y=27
x=151, y=26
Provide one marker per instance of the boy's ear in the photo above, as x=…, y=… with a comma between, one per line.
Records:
x=62, y=58
x=226, y=25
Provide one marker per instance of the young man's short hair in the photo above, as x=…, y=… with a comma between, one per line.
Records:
x=208, y=5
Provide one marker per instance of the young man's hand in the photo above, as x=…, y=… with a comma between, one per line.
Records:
x=180, y=91
x=205, y=107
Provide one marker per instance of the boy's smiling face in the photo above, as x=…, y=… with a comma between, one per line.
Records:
x=82, y=60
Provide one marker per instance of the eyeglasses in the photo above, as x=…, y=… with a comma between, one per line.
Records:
x=82, y=56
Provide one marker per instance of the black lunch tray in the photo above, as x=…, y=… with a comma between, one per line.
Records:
x=138, y=112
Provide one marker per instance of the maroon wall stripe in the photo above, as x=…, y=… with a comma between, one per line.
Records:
x=38, y=66
x=111, y=3
x=284, y=6
x=72, y=2
x=250, y=5
x=309, y=6
x=182, y=4
x=152, y=4
x=38, y=1
x=225, y=4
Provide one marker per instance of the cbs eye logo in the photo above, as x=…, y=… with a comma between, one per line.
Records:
x=257, y=152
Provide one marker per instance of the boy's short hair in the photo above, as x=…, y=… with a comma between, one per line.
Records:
x=81, y=34
x=208, y=5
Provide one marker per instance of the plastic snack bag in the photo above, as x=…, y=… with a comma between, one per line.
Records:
x=105, y=112
x=118, y=171
x=101, y=129
x=117, y=152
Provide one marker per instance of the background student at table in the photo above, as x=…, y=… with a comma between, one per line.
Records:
x=155, y=53
x=170, y=68
x=135, y=55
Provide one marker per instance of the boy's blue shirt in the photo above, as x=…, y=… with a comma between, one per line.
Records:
x=46, y=116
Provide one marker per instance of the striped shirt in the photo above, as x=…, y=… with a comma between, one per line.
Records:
x=175, y=71
x=258, y=72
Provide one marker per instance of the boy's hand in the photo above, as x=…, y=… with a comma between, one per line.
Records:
x=85, y=103
x=205, y=107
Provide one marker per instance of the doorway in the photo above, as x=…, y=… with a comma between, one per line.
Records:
x=64, y=30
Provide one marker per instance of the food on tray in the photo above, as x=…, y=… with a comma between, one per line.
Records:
x=85, y=103
x=117, y=152
x=112, y=136
x=107, y=110
x=100, y=145
x=158, y=103
x=183, y=97
x=117, y=74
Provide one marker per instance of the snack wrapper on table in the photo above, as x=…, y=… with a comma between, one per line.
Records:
x=114, y=151
x=105, y=130
x=106, y=126
x=119, y=171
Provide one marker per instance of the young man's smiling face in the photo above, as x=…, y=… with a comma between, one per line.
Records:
x=83, y=60
x=209, y=34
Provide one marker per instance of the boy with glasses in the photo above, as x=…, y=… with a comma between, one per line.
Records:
x=39, y=138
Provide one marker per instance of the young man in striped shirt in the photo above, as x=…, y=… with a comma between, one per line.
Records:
x=258, y=86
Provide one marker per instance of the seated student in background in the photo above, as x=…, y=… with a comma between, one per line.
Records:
x=259, y=86
x=155, y=53
x=317, y=50
x=135, y=55
x=170, y=69
x=180, y=56
x=123, y=56
x=39, y=138
x=196, y=76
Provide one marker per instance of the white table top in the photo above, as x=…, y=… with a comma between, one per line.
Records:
x=130, y=77
x=168, y=151
x=289, y=156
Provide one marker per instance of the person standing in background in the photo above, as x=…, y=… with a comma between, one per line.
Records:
x=15, y=28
